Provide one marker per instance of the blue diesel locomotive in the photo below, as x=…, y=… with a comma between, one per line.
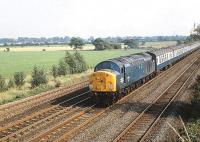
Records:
x=114, y=78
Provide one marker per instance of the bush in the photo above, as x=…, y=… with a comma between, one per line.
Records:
x=72, y=63
x=63, y=68
x=7, y=49
x=115, y=46
x=99, y=44
x=131, y=43
x=11, y=83
x=2, y=84
x=80, y=63
x=58, y=84
x=19, y=78
x=69, y=59
x=38, y=77
x=54, y=71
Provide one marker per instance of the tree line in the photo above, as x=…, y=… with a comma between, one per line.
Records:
x=24, y=41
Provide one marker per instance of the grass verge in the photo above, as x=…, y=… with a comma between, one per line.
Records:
x=14, y=94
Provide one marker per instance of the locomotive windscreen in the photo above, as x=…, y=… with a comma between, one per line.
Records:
x=107, y=65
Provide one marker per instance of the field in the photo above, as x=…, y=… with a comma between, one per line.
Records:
x=11, y=62
x=160, y=44
x=44, y=47
x=85, y=47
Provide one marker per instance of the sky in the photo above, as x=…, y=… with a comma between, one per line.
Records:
x=98, y=18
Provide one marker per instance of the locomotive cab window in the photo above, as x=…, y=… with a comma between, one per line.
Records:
x=107, y=65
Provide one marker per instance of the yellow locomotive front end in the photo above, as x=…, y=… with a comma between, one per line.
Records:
x=103, y=81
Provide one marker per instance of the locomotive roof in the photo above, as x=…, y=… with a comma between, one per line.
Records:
x=131, y=59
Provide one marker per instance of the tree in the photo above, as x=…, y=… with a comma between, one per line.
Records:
x=80, y=62
x=19, y=78
x=38, y=77
x=178, y=42
x=197, y=30
x=196, y=34
x=63, y=68
x=115, y=46
x=143, y=43
x=76, y=42
x=7, y=49
x=54, y=71
x=131, y=43
x=11, y=83
x=99, y=44
x=69, y=59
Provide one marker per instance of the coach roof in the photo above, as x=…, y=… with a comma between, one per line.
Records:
x=161, y=51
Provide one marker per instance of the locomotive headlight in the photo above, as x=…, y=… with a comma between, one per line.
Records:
x=90, y=86
x=110, y=86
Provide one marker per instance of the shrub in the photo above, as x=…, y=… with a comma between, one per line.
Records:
x=63, y=68
x=7, y=49
x=11, y=83
x=58, y=83
x=54, y=71
x=72, y=63
x=69, y=59
x=115, y=46
x=99, y=44
x=2, y=84
x=19, y=78
x=38, y=77
x=80, y=62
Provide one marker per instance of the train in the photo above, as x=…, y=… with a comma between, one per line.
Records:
x=114, y=78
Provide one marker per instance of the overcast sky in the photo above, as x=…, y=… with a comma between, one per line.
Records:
x=100, y=18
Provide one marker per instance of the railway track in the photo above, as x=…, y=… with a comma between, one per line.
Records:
x=27, y=106
x=64, y=130
x=47, y=116
x=142, y=125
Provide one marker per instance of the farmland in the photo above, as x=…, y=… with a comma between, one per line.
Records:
x=160, y=44
x=44, y=47
x=11, y=62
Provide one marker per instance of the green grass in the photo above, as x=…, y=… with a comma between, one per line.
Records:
x=11, y=62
